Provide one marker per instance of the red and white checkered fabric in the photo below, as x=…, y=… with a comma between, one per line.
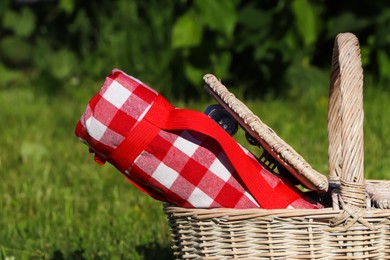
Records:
x=183, y=167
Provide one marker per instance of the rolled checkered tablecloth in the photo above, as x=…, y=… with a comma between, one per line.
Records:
x=176, y=155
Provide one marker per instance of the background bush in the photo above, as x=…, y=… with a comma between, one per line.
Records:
x=277, y=47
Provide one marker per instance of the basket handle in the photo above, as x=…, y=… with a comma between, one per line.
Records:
x=345, y=120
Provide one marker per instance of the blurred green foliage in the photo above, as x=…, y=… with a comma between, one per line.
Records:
x=268, y=46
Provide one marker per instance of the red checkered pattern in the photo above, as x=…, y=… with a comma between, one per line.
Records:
x=183, y=167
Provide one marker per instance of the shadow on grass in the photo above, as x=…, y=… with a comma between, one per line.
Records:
x=150, y=251
x=75, y=255
x=154, y=251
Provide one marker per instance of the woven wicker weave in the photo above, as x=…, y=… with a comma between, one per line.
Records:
x=352, y=229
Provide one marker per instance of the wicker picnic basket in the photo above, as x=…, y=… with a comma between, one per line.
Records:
x=357, y=225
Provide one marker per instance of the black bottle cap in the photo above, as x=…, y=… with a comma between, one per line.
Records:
x=223, y=118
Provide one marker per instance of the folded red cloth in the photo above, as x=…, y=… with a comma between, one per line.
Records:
x=177, y=155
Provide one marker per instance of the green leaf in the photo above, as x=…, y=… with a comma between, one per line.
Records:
x=384, y=64
x=4, y=5
x=21, y=23
x=365, y=54
x=255, y=19
x=346, y=22
x=186, y=32
x=194, y=75
x=221, y=64
x=63, y=64
x=15, y=50
x=306, y=21
x=67, y=6
x=220, y=15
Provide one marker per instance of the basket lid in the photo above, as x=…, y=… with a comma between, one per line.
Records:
x=267, y=138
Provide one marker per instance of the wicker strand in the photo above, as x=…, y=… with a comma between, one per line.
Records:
x=379, y=193
x=353, y=193
x=345, y=119
x=334, y=120
x=349, y=216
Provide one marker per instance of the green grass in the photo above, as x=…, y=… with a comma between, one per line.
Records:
x=57, y=203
